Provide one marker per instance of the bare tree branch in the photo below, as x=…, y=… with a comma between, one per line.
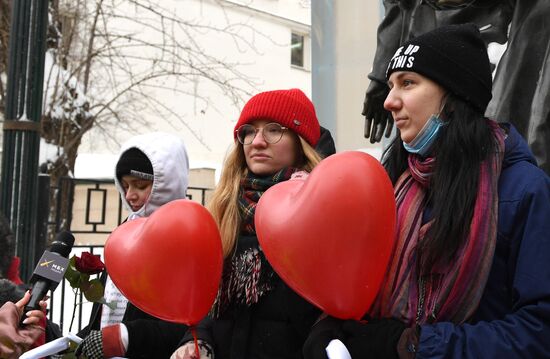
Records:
x=108, y=60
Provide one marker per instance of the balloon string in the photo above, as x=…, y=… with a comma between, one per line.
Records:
x=195, y=339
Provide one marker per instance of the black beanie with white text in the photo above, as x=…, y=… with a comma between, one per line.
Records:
x=454, y=56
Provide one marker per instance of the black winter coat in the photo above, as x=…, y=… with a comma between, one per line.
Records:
x=275, y=327
x=149, y=337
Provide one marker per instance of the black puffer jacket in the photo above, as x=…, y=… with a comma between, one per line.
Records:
x=151, y=338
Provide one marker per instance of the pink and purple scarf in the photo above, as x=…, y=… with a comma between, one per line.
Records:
x=451, y=292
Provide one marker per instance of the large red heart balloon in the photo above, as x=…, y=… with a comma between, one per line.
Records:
x=329, y=236
x=169, y=264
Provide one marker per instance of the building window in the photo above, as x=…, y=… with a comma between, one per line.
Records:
x=297, y=50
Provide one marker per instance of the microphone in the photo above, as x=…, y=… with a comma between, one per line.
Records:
x=50, y=269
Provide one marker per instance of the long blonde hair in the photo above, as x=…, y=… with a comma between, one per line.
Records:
x=224, y=202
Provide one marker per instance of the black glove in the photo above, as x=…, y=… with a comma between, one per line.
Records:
x=91, y=347
x=320, y=336
x=377, y=119
x=325, y=147
x=376, y=338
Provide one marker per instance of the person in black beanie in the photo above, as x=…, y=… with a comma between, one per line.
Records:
x=134, y=172
x=468, y=275
x=521, y=89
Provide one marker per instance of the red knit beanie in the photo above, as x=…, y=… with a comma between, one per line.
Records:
x=289, y=108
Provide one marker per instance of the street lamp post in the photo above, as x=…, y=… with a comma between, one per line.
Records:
x=21, y=142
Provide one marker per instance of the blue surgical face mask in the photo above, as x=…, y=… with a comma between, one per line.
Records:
x=424, y=140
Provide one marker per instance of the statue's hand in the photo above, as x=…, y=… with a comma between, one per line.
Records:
x=377, y=120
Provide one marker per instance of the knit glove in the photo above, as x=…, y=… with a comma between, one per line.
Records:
x=376, y=338
x=99, y=344
x=377, y=119
x=91, y=347
x=320, y=336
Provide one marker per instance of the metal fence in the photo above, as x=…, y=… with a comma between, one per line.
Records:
x=90, y=209
x=70, y=312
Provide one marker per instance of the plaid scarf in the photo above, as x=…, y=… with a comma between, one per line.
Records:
x=247, y=275
x=451, y=293
x=252, y=188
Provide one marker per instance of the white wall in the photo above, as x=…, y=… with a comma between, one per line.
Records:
x=343, y=45
x=207, y=129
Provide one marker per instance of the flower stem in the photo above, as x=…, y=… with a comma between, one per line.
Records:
x=74, y=309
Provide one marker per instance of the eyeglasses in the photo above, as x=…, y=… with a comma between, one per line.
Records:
x=272, y=133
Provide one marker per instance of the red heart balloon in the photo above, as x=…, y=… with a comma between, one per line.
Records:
x=168, y=264
x=329, y=237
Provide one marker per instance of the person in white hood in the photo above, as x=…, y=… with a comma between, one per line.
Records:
x=159, y=159
x=151, y=171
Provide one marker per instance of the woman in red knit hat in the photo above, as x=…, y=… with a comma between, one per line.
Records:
x=255, y=314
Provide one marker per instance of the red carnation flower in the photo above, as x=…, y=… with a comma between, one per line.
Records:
x=89, y=263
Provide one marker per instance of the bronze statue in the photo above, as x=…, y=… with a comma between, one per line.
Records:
x=521, y=84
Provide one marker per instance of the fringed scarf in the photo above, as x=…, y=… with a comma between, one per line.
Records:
x=451, y=293
x=247, y=275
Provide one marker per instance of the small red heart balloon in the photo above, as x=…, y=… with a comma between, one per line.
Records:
x=329, y=236
x=168, y=264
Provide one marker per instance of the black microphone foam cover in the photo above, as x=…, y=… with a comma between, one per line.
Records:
x=63, y=244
